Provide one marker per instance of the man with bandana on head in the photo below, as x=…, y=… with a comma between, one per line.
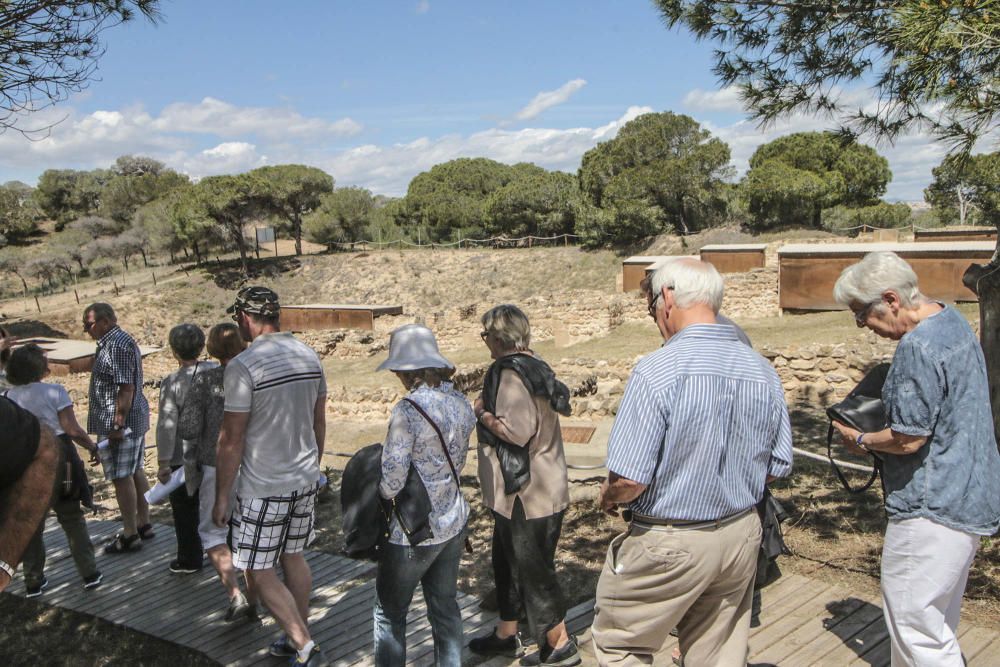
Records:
x=273, y=430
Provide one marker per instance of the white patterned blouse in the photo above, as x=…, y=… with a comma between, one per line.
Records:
x=412, y=439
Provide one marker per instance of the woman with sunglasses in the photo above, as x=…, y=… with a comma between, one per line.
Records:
x=522, y=474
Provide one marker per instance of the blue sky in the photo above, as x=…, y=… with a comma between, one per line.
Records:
x=375, y=92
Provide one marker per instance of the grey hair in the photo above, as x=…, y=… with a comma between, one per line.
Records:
x=509, y=325
x=877, y=272
x=101, y=311
x=187, y=341
x=430, y=377
x=692, y=280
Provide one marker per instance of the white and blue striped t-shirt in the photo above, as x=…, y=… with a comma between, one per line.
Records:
x=278, y=380
x=702, y=423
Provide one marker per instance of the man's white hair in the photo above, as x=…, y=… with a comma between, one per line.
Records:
x=866, y=281
x=692, y=281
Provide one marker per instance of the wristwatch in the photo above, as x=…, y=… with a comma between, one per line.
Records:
x=858, y=442
x=117, y=426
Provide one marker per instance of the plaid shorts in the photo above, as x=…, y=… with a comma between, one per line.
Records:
x=265, y=528
x=123, y=459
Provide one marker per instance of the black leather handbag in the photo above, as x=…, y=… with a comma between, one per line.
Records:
x=366, y=515
x=863, y=410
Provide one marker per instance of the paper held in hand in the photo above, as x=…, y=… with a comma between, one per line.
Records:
x=159, y=492
x=103, y=446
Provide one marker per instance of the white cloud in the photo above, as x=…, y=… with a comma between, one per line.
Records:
x=95, y=139
x=725, y=99
x=549, y=98
x=231, y=157
x=388, y=169
x=423, y=7
x=212, y=116
x=214, y=137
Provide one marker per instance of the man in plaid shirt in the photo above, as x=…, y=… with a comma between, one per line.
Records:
x=117, y=406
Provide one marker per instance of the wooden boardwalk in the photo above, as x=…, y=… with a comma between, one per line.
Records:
x=805, y=621
x=140, y=593
x=808, y=623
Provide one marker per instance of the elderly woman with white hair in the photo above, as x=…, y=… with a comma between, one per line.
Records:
x=940, y=464
x=429, y=430
x=523, y=478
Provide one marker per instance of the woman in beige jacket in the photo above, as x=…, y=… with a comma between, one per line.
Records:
x=522, y=473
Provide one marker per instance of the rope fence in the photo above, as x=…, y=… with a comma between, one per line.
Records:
x=911, y=226
x=492, y=241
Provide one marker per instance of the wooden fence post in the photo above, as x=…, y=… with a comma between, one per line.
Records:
x=38, y=305
x=77, y=295
x=154, y=278
x=116, y=287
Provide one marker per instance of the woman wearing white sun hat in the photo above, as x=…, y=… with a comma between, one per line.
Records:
x=429, y=429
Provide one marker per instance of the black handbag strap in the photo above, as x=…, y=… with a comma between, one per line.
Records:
x=447, y=455
x=876, y=466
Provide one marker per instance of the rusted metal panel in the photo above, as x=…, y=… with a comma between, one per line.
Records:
x=734, y=259
x=313, y=317
x=929, y=235
x=807, y=274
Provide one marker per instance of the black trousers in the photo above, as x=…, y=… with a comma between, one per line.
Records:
x=524, y=570
x=184, y=508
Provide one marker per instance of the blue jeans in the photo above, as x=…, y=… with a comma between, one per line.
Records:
x=400, y=569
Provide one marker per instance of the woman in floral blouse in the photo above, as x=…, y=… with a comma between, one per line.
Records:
x=431, y=406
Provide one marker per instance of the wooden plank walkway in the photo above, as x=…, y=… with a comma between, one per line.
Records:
x=140, y=593
x=808, y=623
x=805, y=622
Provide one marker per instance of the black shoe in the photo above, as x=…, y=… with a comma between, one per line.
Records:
x=35, y=591
x=492, y=645
x=316, y=659
x=123, y=545
x=93, y=581
x=567, y=656
x=178, y=567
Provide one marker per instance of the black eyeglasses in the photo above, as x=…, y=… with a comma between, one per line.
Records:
x=87, y=326
x=861, y=316
x=484, y=334
x=651, y=308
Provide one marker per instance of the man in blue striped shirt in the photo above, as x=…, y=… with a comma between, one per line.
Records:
x=701, y=429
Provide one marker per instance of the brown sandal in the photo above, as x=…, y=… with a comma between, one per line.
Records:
x=122, y=544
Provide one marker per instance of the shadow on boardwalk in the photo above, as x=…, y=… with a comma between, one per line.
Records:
x=805, y=621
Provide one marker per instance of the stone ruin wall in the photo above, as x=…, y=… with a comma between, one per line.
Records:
x=820, y=374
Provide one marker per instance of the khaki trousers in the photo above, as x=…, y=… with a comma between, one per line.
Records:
x=699, y=580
